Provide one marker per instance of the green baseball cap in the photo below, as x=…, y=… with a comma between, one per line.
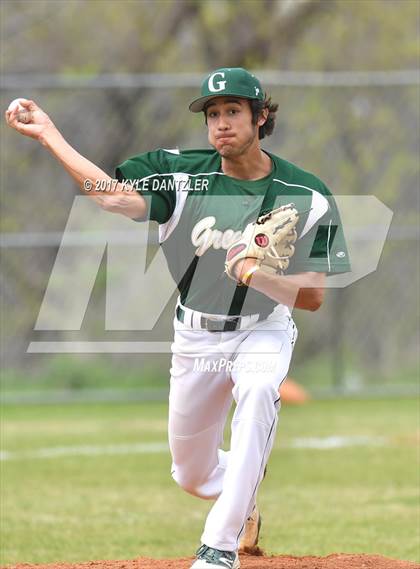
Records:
x=228, y=81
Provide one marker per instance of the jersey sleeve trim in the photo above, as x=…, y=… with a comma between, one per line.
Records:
x=165, y=229
x=319, y=206
x=328, y=245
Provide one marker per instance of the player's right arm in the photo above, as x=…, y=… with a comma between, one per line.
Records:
x=39, y=126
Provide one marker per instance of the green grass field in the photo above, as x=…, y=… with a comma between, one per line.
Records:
x=58, y=504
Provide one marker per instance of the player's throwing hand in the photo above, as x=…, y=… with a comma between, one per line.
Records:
x=29, y=119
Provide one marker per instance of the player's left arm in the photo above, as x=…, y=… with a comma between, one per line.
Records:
x=301, y=290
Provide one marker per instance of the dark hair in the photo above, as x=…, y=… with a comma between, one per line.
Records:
x=256, y=109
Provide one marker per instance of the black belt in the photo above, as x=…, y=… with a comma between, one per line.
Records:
x=212, y=325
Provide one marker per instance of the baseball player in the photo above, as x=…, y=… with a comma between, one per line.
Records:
x=247, y=237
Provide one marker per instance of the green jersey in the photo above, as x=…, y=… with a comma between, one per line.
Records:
x=201, y=211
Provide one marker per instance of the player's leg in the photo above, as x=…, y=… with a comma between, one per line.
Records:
x=199, y=402
x=259, y=369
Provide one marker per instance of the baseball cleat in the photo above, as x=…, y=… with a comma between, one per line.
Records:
x=249, y=539
x=210, y=558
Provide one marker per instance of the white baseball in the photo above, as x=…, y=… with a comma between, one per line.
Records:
x=16, y=105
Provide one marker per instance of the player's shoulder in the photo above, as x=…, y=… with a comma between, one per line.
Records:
x=310, y=195
x=191, y=161
x=292, y=176
x=172, y=160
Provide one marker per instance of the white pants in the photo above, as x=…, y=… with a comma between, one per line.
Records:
x=209, y=370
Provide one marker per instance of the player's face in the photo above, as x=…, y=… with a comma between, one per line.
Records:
x=230, y=128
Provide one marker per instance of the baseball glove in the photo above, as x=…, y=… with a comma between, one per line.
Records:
x=269, y=240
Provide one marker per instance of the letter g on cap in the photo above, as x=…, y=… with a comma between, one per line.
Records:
x=220, y=85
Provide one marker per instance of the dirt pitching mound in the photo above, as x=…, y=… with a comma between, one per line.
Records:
x=335, y=561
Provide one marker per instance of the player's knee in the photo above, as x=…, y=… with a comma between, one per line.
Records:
x=188, y=481
x=258, y=391
x=260, y=401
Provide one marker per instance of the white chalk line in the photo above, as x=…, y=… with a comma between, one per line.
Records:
x=85, y=450
x=319, y=443
x=326, y=443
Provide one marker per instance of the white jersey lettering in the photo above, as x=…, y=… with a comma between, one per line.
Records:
x=204, y=237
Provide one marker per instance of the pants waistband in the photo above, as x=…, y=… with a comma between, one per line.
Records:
x=198, y=321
